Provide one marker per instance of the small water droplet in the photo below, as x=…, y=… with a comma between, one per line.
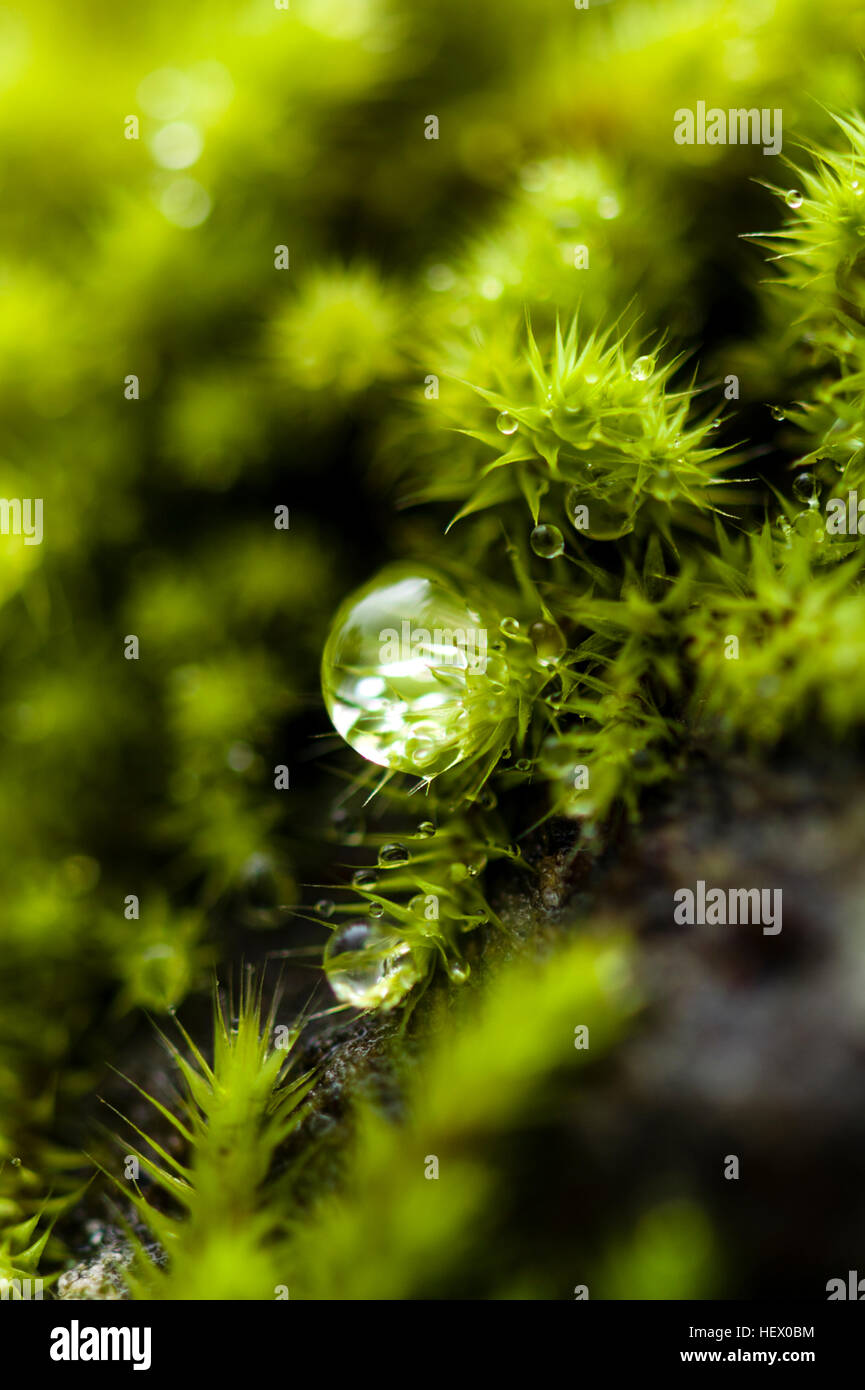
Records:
x=547, y=542
x=324, y=907
x=364, y=878
x=16, y=1162
x=392, y=855
x=548, y=642
x=375, y=910
x=643, y=368
x=716, y=424
x=805, y=488
x=523, y=764
x=458, y=971
x=777, y=412
x=794, y=198
x=425, y=830
x=506, y=424
x=663, y=485
x=510, y=626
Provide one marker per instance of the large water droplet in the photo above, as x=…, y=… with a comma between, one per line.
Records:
x=409, y=678
x=643, y=368
x=547, y=541
x=368, y=966
x=506, y=424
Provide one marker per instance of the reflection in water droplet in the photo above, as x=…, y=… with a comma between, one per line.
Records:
x=794, y=198
x=364, y=878
x=425, y=830
x=547, y=542
x=324, y=907
x=458, y=971
x=511, y=626
x=506, y=424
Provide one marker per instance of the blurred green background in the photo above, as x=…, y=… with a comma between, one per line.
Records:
x=303, y=387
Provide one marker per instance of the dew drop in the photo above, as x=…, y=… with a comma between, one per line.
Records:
x=16, y=1162
x=663, y=485
x=805, y=489
x=510, y=626
x=392, y=855
x=506, y=424
x=324, y=907
x=402, y=668
x=776, y=412
x=643, y=368
x=378, y=968
x=458, y=971
x=364, y=878
x=375, y=910
x=425, y=830
x=548, y=642
x=794, y=198
x=547, y=542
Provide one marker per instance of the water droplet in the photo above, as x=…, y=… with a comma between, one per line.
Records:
x=324, y=907
x=487, y=799
x=856, y=188
x=458, y=971
x=548, y=642
x=643, y=368
x=364, y=878
x=375, y=910
x=663, y=485
x=368, y=966
x=547, y=541
x=16, y=1162
x=805, y=489
x=511, y=626
x=794, y=198
x=603, y=519
x=403, y=671
x=425, y=830
x=777, y=412
x=810, y=523
x=523, y=764
x=459, y=871
x=392, y=855
x=716, y=424
x=506, y=424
